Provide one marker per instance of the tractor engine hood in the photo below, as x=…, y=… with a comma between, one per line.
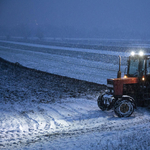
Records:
x=117, y=84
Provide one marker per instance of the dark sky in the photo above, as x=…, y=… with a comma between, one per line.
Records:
x=131, y=15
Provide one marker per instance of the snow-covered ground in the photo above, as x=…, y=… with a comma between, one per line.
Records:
x=75, y=66
x=75, y=123
x=35, y=115
x=80, y=63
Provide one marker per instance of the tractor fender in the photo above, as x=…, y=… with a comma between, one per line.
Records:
x=130, y=99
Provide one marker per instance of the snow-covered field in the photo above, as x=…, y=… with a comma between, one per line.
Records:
x=84, y=64
x=94, y=65
x=36, y=115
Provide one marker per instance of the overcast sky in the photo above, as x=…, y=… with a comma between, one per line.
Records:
x=88, y=14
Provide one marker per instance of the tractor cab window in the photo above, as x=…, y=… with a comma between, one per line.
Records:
x=141, y=67
x=148, y=66
x=136, y=66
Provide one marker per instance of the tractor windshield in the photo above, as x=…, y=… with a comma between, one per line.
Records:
x=136, y=66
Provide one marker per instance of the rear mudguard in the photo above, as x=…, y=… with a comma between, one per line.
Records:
x=130, y=99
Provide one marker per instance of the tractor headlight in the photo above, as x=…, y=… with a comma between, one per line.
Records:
x=132, y=53
x=141, y=53
x=125, y=76
x=143, y=78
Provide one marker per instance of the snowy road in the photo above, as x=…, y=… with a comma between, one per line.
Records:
x=74, y=67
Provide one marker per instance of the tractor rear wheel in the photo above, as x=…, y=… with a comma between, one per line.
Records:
x=123, y=108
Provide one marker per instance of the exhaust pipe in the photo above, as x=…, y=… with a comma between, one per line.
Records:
x=119, y=72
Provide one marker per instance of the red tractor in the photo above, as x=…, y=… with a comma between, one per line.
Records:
x=125, y=94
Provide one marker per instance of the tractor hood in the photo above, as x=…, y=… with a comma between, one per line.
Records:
x=117, y=84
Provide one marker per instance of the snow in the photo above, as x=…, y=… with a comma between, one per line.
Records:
x=63, y=65
x=79, y=68
x=74, y=67
x=71, y=49
x=71, y=123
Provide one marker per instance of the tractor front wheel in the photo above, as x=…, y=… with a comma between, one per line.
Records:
x=100, y=103
x=104, y=103
x=123, y=108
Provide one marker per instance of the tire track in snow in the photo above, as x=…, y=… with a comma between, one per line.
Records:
x=26, y=118
x=76, y=128
x=49, y=120
x=102, y=128
x=73, y=113
x=57, y=117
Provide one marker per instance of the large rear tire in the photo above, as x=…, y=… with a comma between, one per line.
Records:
x=123, y=108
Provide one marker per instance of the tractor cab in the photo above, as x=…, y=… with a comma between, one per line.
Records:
x=138, y=66
x=125, y=93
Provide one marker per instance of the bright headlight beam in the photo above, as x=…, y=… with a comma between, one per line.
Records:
x=141, y=53
x=132, y=53
x=125, y=76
